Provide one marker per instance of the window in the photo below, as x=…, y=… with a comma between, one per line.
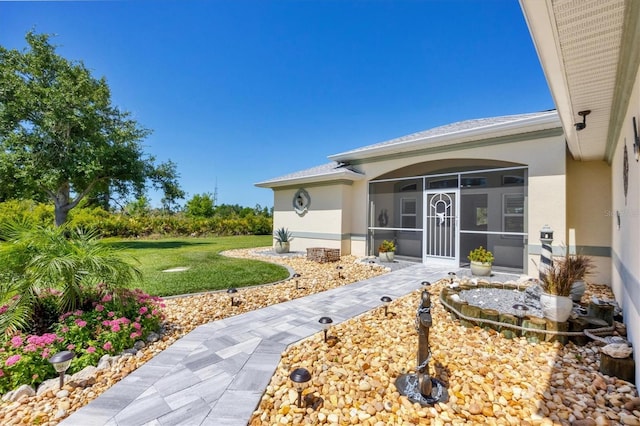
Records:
x=513, y=212
x=408, y=212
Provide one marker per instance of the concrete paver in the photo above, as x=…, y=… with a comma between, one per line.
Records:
x=216, y=374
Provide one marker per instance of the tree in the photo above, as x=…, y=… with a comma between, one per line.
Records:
x=200, y=206
x=62, y=139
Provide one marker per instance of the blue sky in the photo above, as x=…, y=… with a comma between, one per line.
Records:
x=242, y=91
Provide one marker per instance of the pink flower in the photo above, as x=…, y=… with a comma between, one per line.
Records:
x=99, y=308
x=81, y=323
x=91, y=349
x=45, y=353
x=12, y=360
x=106, y=323
x=78, y=312
x=3, y=309
x=16, y=341
x=143, y=310
x=154, y=312
x=135, y=334
x=107, y=298
x=71, y=346
x=111, y=314
x=65, y=329
x=137, y=326
x=1, y=373
x=30, y=348
x=107, y=346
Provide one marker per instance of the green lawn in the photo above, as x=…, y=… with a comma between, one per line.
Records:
x=207, y=269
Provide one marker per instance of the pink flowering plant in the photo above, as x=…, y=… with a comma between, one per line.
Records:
x=110, y=325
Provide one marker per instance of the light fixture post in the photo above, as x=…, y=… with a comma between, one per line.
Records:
x=300, y=378
x=231, y=292
x=61, y=362
x=326, y=323
x=386, y=300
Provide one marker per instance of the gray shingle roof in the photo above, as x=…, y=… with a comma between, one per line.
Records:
x=323, y=172
x=455, y=128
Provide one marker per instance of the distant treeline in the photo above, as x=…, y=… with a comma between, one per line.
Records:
x=138, y=220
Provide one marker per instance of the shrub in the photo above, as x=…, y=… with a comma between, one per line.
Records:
x=481, y=255
x=386, y=246
x=109, y=326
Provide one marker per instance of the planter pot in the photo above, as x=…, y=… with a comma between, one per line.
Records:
x=282, y=247
x=480, y=269
x=386, y=256
x=577, y=291
x=556, y=308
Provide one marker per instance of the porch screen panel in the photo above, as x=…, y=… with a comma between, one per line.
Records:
x=395, y=213
x=493, y=215
x=441, y=224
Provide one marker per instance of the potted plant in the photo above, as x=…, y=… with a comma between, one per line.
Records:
x=386, y=251
x=481, y=261
x=283, y=238
x=556, y=283
x=581, y=266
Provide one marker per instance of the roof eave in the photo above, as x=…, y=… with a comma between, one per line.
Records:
x=539, y=17
x=345, y=174
x=486, y=132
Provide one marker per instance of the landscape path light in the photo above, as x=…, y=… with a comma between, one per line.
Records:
x=451, y=275
x=326, y=323
x=425, y=283
x=300, y=378
x=61, y=362
x=339, y=269
x=386, y=300
x=232, y=291
x=297, y=276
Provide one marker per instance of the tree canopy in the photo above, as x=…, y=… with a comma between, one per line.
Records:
x=62, y=139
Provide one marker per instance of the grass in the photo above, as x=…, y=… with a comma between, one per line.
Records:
x=208, y=270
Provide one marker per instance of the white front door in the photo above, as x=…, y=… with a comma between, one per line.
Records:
x=441, y=237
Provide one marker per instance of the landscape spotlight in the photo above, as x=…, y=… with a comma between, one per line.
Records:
x=61, y=362
x=326, y=323
x=231, y=291
x=386, y=300
x=300, y=378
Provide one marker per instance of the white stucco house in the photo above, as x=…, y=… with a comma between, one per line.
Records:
x=497, y=181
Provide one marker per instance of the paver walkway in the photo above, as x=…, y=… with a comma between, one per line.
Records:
x=216, y=374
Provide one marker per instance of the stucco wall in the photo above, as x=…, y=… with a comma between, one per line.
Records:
x=323, y=225
x=545, y=158
x=625, y=246
x=589, y=213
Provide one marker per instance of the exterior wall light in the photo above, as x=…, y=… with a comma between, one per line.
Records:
x=231, y=292
x=583, y=125
x=386, y=300
x=326, y=323
x=61, y=362
x=300, y=378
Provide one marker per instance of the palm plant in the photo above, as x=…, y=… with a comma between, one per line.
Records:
x=282, y=235
x=72, y=261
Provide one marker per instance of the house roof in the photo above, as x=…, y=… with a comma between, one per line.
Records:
x=590, y=57
x=455, y=133
x=326, y=172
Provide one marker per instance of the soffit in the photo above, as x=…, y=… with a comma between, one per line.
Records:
x=579, y=44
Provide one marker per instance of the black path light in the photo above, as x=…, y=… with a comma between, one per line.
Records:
x=326, y=323
x=300, y=378
x=386, y=300
x=231, y=292
x=520, y=311
x=425, y=283
x=372, y=263
x=451, y=275
x=339, y=269
x=297, y=276
x=61, y=362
